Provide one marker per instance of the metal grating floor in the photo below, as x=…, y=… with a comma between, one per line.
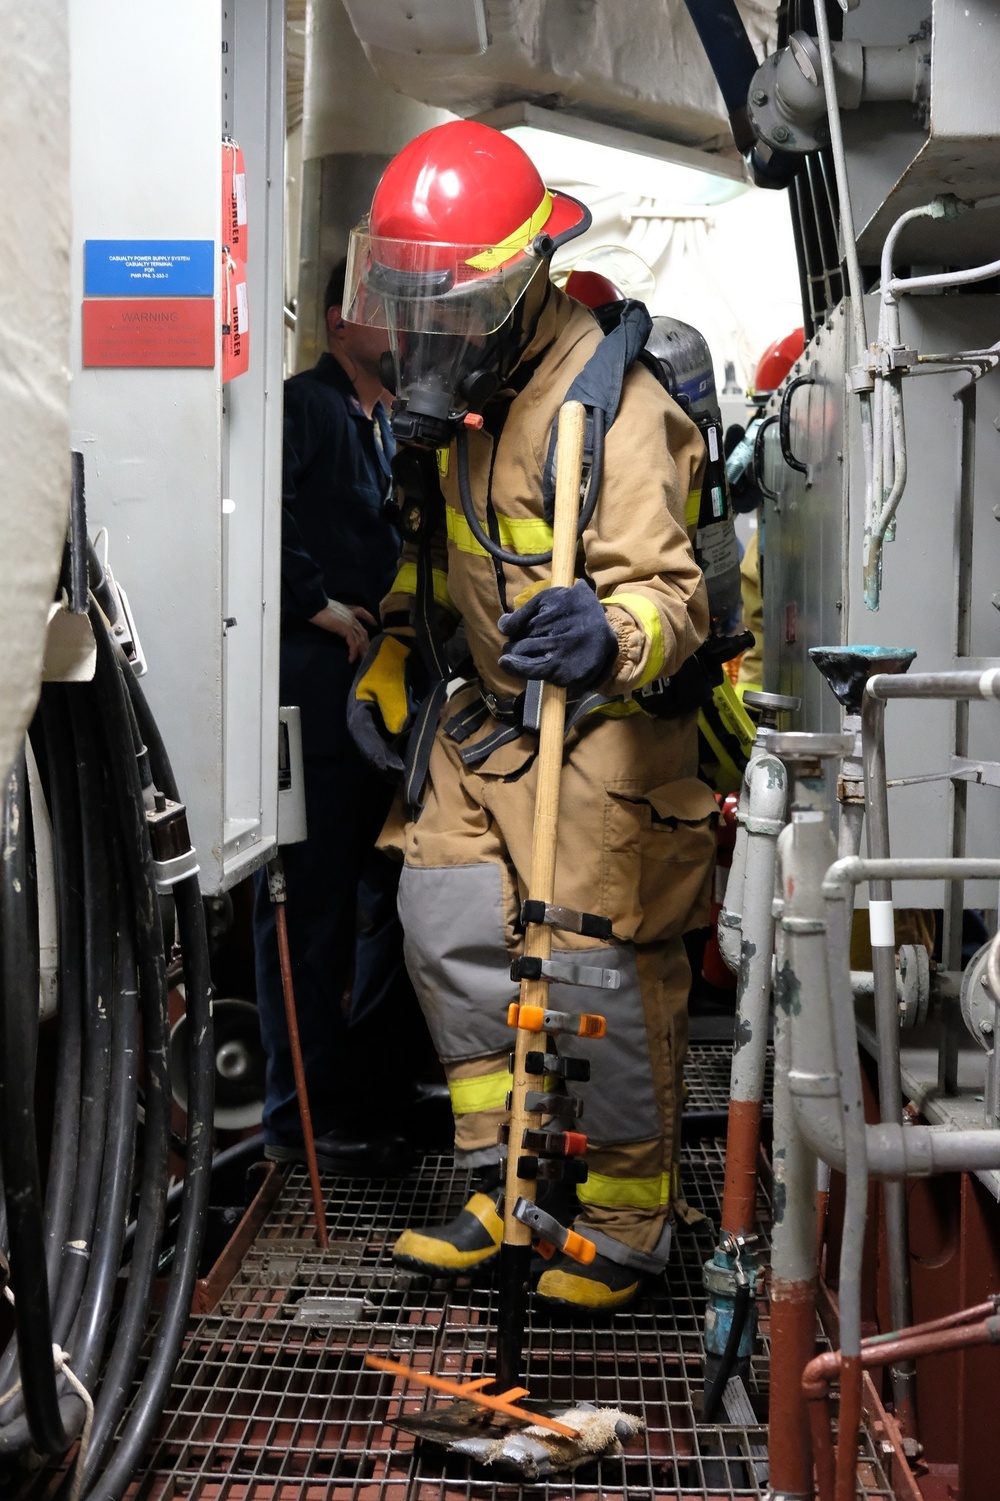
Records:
x=272, y=1401
x=707, y=1073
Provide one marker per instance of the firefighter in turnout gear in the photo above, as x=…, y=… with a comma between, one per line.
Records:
x=453, y=263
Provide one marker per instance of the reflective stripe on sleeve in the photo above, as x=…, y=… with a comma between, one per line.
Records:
x=648, y=617
x=625, y=1193
x=692, y=509
x=517, y=534
x=405, y=582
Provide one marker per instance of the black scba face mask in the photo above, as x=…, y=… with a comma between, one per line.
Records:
x=455, y=321
x=440, y=377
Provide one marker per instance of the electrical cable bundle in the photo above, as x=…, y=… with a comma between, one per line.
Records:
x=118, y=830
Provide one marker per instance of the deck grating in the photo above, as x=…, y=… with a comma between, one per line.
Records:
x=269, y=1404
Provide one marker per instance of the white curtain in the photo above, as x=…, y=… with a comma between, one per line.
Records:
x=729, y=269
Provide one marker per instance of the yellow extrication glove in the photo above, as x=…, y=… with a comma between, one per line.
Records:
x=381, y=705
x=725, y=738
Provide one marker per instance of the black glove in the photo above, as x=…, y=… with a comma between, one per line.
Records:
x=562, y=636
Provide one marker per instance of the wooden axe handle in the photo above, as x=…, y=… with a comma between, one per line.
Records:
x=541, y=886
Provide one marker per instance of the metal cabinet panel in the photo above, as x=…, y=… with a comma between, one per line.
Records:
x=940, y=573
x=165, y=448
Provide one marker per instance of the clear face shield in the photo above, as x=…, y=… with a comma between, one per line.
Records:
x=446, y=310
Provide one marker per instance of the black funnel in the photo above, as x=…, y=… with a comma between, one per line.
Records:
x=848, y=668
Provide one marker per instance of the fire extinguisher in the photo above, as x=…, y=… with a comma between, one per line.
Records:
x=713, y=968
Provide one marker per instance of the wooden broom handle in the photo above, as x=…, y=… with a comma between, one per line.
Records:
x=541, y=885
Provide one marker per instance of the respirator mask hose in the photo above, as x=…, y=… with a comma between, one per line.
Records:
x=528, y=559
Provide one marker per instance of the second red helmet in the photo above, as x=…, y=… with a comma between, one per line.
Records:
x=776, y=361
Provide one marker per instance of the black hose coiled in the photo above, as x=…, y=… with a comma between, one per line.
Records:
x=66, y=1253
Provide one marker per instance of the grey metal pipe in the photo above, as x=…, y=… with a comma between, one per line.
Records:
x=759, y=820
x=825, y=1079
x=890, y=73
x=793, y=1252
x=991, y=1111
x=847, y=232
x=793, y=1256
x=880, y=688
x=853, y=1128
x=943, y=279
x=862, y=380
x=730, y=923
x=729, y=928
x=765, y=821
x=894, y=1150
x=814, y=1078
x=850, y=791
x=944, y=685
x=890, y=1085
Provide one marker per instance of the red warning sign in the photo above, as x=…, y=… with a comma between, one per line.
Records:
x=236, y=328
x=151, y=331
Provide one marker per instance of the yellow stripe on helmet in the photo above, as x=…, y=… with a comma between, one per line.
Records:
x=488, y=260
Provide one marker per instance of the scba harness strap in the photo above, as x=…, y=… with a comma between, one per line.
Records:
x=598, y=387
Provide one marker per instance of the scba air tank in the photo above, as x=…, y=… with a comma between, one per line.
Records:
x=685, y=366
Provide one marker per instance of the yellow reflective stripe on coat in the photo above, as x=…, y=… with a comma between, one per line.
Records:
x=517, y=534
x=520, y=239
x=648, y=617
x=481, y=1092
x=692, y=509
x=625, y=1193
x=405, y=582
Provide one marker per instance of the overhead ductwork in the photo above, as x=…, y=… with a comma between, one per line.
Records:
x=621, y=62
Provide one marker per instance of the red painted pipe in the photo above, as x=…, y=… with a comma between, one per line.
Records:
x=953, y=1332
x=739, y=1194
x=793, y=1341
x=849, y=1421
x=291, y=1016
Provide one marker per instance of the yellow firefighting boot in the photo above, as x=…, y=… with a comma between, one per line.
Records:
x=610, y=1282
x=471, y=1239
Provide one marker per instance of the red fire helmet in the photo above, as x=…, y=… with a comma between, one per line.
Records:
x=591, y=288
x=459, y=224
x=467, y=184
x=776, y=361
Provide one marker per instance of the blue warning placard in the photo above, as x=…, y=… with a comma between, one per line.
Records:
x=149, y=268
